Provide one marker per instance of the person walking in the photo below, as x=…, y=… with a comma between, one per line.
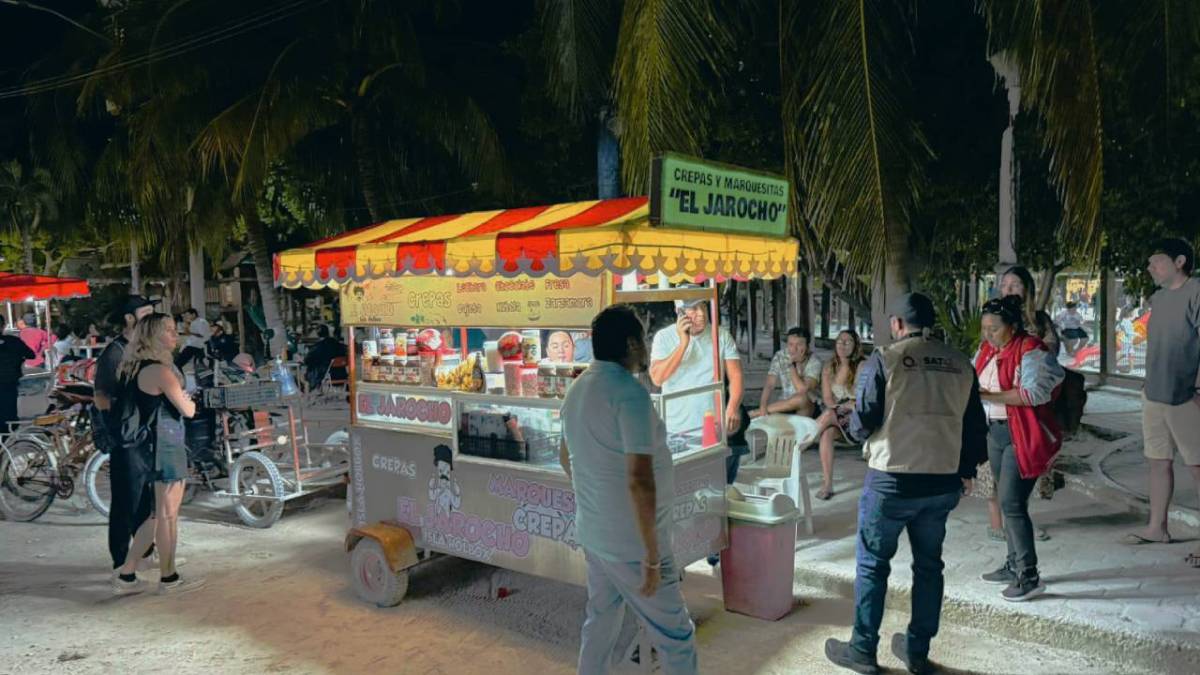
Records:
x=918, y=410
x=837, y=382
x=615, y=452
x=13, y=354
x=1017, y=383
x=798, y=372
x=1073, y=334
x=132, y=505
x=154, y=385
x=1171, y=396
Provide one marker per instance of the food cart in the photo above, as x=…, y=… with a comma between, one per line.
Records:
x=455, y=452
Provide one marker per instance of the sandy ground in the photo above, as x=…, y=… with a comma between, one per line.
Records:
x=279, y=600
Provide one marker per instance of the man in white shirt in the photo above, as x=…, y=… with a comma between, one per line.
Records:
x=682, y=357
x=195, y=341
x=615, y=452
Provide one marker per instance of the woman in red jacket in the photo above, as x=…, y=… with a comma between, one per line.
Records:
x=1018, y=378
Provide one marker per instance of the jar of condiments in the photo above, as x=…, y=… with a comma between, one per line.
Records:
x=412, y=371
x=547, y=381
x=410, y=343
x=564, y=373
x=529, y=381
x=531, y=347
x=512, y=378
x=387, y=342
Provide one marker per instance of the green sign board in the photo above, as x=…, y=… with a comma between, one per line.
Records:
x=691, y=194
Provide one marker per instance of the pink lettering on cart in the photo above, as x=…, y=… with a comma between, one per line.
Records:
x=405, y=408
x=543, y=511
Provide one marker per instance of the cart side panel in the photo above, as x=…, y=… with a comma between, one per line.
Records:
x=503, y=515
x=698, y=511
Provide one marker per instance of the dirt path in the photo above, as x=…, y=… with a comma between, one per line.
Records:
x=279, y=601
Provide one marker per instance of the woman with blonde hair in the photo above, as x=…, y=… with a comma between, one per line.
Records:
x=151, y=381
x=837, y=384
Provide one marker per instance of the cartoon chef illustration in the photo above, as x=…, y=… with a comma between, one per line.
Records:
x=443, y=490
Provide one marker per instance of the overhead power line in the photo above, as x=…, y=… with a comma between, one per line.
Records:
x=189, y=43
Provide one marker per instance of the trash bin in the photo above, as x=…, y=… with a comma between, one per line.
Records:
x=758, y=567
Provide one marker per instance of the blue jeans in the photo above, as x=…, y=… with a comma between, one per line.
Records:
x=612, y=584
x=881, y=518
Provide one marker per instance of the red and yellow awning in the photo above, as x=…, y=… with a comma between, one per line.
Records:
x=578, y=238
x=28, y=287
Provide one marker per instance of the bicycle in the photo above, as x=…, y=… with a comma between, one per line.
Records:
x=43, y=461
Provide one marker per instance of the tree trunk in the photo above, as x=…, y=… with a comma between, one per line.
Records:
x=135, y=270
x=364, y=161
x=892, y=281
x=196, y=277
x=608, y=158
x=27, y=241
x=256, y=241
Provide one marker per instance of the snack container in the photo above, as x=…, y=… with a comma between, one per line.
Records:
x=512, y=378
x=491, y=351
x=387, y=342
x=546, y=381
x=529, y=381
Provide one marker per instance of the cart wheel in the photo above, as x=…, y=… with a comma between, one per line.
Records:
x=254, y=474
x=96, y=482
x=374, y=580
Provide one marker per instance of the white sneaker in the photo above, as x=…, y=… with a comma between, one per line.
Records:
x=152, y=562
x=122, y=587
x=179, y=586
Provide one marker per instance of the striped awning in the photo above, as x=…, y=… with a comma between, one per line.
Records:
x=29, y=287
x=564, y=239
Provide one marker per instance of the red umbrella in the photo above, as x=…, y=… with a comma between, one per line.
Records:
x=27, y=287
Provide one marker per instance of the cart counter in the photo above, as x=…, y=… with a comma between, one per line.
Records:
x=477, y=476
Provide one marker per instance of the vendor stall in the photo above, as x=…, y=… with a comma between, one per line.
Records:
x=456, y=452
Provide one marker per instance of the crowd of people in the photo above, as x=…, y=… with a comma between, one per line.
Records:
x=931, y=420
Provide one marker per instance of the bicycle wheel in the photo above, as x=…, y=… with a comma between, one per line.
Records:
x=97, y=483
x=28, y=479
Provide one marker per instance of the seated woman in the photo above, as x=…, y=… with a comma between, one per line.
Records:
x=838, y=382
x=798, y=371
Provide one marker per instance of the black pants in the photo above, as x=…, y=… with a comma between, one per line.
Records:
x=131, y=475
x=1013, y=493
x=8, y=405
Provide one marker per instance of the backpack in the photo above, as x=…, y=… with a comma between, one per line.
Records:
x=1072, y=397
x=129, y=429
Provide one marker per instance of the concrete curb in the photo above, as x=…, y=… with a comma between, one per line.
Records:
x=1170, y=656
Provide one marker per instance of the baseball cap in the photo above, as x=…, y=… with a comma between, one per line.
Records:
x=687, y=304
x=133, y=303
x=915, y=309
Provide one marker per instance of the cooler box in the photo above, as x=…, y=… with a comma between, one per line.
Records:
x=758, y=567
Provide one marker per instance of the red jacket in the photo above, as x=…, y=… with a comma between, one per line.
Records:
x=1036, y=434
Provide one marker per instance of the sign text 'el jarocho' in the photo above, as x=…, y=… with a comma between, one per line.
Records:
x=692, y=194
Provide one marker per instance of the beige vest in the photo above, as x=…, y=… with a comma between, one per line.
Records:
x=928, y=387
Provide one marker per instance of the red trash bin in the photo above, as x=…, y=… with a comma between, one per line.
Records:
x=758, y=567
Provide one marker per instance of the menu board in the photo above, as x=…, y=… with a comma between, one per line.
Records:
x=497, y=302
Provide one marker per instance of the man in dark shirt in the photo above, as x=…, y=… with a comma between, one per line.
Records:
x=130, y=478
x=316, y=362
x=13, y=354
x=918, y=410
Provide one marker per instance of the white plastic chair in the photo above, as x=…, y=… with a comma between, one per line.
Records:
x=779, y=467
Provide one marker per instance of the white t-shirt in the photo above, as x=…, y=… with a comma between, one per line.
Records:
x=696, y=369
x=989, y=380
x=607, y=414
x=198, y=333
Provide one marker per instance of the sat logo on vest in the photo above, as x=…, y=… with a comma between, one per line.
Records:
x=938, y=363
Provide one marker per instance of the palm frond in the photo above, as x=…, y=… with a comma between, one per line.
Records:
x=851, y=142
x=670, y=56
x=1054, y=47
x=578, y=38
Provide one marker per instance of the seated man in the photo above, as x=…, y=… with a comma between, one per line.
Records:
x=317, y=361
x=798, y=371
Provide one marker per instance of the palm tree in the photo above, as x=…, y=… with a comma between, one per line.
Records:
x=28, y=200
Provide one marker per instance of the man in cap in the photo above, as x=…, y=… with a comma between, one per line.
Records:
x=132, y=498
x=681, y=357
x=918, y=410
